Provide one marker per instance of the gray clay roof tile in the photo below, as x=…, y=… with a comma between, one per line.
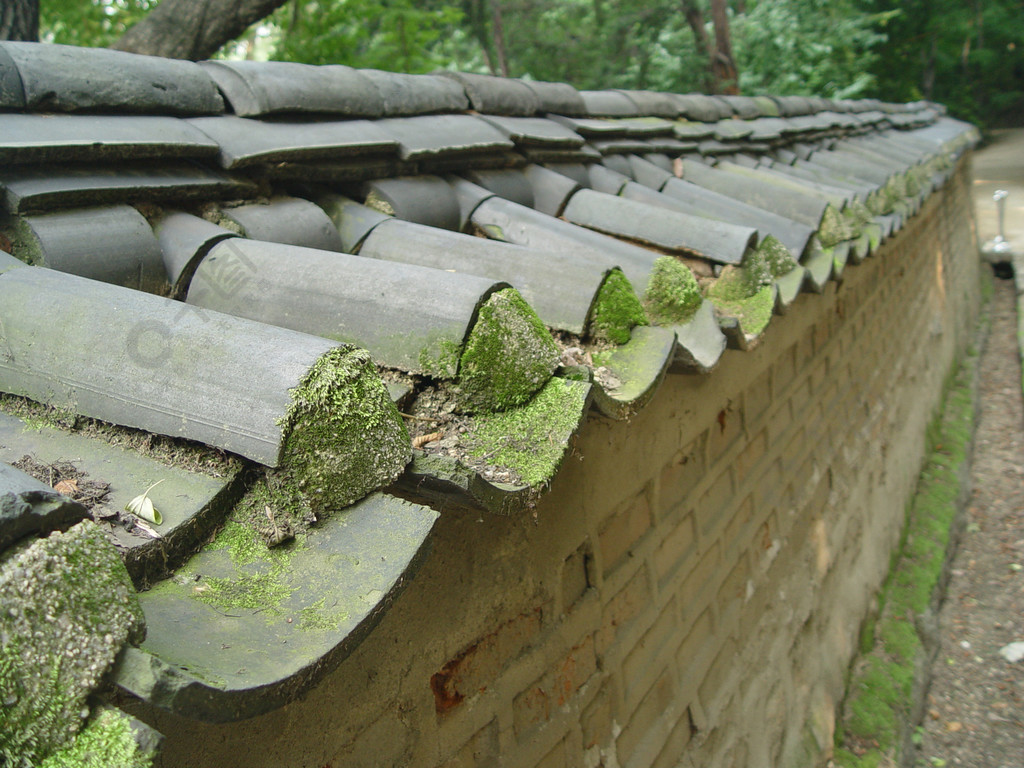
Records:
x=112, y=245
x=32, y=138
x=535, y=131
x=609, y=104
x=404, y=94
x=288, y=220
x=38, y=188
x=64, y=78
x=433, y=136
x=255, y=88
x=557, y=98
x=496, y=95
x=244, y=141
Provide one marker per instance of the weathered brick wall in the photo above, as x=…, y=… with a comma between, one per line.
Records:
x=692, y=588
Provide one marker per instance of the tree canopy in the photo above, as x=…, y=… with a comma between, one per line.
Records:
x=968, y=55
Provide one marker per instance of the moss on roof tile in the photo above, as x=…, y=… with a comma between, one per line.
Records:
x=69, y=606
x=343, y=435
x=531, y=440
x=746, y=293
x=672, y=296
x=508, y=356
x=616, y=310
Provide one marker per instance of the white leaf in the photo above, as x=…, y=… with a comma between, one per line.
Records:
x=142, y=506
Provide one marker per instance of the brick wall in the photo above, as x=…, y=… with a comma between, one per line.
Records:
x=691, y=590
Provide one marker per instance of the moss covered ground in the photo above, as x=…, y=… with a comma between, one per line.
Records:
x=877, y=710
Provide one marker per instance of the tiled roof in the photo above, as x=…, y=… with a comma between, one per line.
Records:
x=202, y=250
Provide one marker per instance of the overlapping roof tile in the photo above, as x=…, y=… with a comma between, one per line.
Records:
x=492, y=256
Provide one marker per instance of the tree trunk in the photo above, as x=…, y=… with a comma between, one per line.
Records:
x=498, y=30
x=723, y=66
x=928, y=72
x=695, y=20
x=476, y=13
x=193, y=29
x=19, y=20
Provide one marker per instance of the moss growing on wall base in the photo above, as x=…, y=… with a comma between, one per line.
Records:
x=616, y=311
x=343, y=435
x=508, y=356
x=672, y=296
x=879, y=699
x=68, y=607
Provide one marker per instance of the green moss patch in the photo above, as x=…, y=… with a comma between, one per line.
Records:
x=68, y=607
x=879, y=696
x=746, y=293
x=343, y=435
x=257, y=584
x=616, y=311
x=508, y=356
x=776, y=257
x=834, y=228
x=530, y=440
x=107, y=741
x=672, y=296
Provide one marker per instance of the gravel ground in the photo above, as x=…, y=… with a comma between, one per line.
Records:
x=975, y=712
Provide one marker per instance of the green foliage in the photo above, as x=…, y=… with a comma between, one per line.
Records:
x=969, y=56
x=89, y=22
x=807, y=47
x=398, y=35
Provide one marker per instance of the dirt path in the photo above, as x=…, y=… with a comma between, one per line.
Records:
x=976, y=702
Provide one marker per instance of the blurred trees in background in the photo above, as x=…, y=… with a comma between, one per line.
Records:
x=967, y=54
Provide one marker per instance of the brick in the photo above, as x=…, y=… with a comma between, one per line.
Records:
x=657, y=701
x=735, y=538
x=681, y=735
x=784, y=370
x=647, y=653
x=596, y=720
x=716, y=688
x=757, y=399
x=731, y=596
x=622, y=609
x=748, y=458
x=727, y=430
x=576, y=576
x=695, y=591
x=481, y=749
x=680, y=476
x=575, y=669
x=676, y=553
x=713, y=505
x=623, y=531
x=532, y=706
x=557, y=757
x=477, y=666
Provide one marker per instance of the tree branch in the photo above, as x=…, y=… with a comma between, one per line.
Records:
x=193, y=29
